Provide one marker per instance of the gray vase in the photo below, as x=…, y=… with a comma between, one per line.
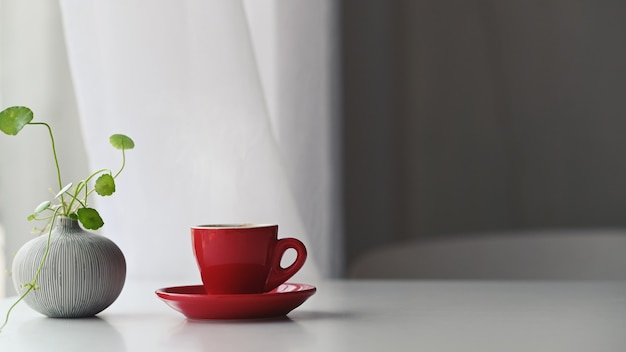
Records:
x=84, y=272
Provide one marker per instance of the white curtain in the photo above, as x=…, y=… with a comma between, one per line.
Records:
x=2, y=262
x=34, y=72
x=231, y=107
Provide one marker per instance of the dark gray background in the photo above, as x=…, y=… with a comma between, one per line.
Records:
x=463, y=116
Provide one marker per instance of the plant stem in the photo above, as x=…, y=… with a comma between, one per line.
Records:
x=56, y=161
x=123, y=164
x=6, y=318
x=45, y=254
x=33, y=284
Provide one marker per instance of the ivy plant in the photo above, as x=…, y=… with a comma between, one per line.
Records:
x=70, y=200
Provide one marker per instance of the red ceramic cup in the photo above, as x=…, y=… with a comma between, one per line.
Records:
x=246, y=258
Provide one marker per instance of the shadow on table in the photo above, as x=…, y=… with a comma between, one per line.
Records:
x=294, y=317
x=275, y=334
x=306, y=315
x=81, y=334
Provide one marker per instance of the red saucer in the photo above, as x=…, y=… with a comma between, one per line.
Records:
x=194, y=303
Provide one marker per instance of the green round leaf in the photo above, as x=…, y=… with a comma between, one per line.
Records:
x=89, y=218
x=13, y=119
x=105, y=185
x=120, y=141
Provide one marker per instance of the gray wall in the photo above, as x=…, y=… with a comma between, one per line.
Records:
x=467, y=116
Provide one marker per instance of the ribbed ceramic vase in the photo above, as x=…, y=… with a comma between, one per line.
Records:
x=83, y=274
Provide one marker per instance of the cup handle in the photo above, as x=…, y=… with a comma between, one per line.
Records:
x=278, y=275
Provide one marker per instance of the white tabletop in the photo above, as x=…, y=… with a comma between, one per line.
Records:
x=354, y=316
